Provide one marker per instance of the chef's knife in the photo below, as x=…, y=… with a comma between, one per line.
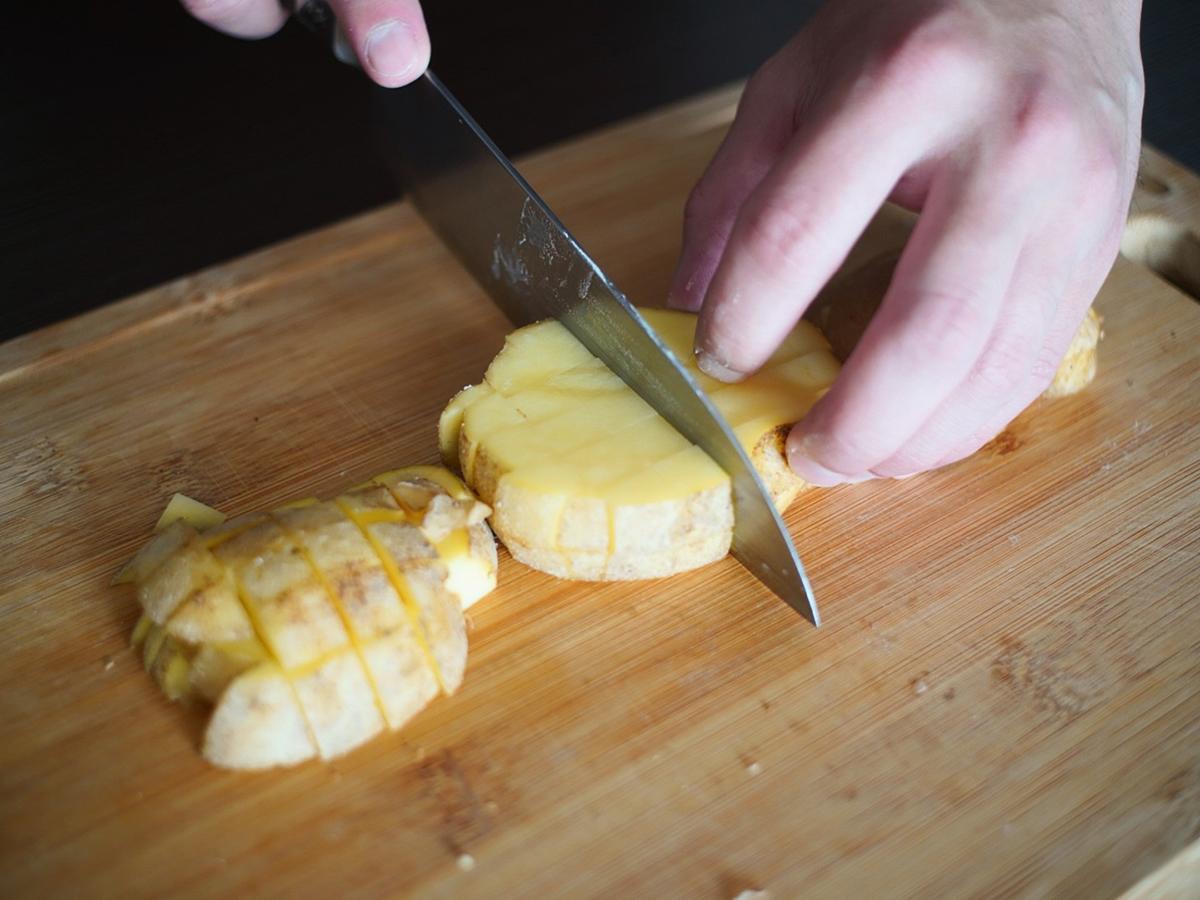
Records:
x=506, y=236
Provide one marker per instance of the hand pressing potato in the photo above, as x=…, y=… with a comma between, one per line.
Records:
x=1012, y=125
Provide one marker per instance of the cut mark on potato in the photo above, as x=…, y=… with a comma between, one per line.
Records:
x=263, y=638
x=304, y=634
x=375, y=615
x=395, y=576
x=335, y=601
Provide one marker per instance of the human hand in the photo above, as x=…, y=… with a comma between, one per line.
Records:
x=388, y=36
x=1012, y=125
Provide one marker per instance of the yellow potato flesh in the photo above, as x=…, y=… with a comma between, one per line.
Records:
x=587, y=481
x=182, y=507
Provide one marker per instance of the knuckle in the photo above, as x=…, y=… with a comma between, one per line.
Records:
x=1047, y=123
x=944, y=48
x=232, y=16
x=1098, y=200
x=763, y=81
x=1005, y=365
x=709, y=210
x=778, y=231
x=770, y=84
x=1104, y=170
x=785, y=65
x=1045, y=366
x=952, y=329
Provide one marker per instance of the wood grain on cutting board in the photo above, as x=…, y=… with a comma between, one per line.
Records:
x=1005, y=699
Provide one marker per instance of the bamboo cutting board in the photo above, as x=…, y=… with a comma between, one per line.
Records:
x=1005, y=700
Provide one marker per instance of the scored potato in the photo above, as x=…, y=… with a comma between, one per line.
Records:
x=316, y=625
x=586, y=481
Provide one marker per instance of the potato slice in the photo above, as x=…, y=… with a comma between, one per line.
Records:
x=586, y=481
x=282, y=595
x=183, y=508
x=339, y=703
x=215, y=665
x=258, y=724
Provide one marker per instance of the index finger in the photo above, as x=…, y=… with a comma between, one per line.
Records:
x=795, y=229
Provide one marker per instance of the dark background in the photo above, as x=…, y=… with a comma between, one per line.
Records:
x=137, y=145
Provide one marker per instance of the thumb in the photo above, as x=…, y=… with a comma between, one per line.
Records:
x=388, y=36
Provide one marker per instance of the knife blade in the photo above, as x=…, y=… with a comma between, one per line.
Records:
x=510, y=240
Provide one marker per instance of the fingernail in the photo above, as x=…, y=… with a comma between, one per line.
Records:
x=682, y=293
x=679, y=294
x=693, y=274
x=714, y=368
x=391, y=49
x=815, y=473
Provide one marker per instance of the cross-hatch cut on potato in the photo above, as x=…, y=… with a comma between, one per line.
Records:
x=586, y=481
x=314, y=626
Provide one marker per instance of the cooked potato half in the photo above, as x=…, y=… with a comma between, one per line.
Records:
x=313, y=627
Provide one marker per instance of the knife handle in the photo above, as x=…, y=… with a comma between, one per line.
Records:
x=317, y=16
